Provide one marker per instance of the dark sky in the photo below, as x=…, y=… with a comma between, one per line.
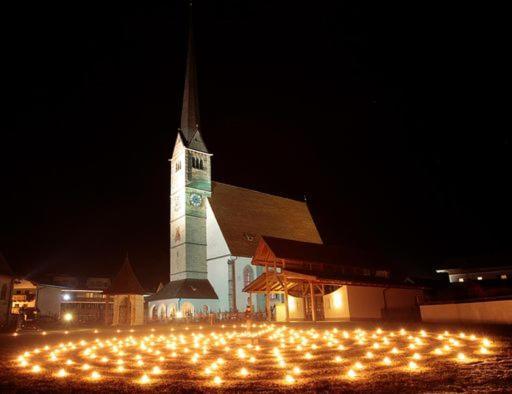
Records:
x=391, y=119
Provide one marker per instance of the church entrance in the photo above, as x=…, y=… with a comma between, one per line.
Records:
x=124, y=311
x=319, y=308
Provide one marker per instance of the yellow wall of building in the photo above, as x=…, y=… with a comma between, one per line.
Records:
x=296, y=309
x=368, y=302
x=336, y=304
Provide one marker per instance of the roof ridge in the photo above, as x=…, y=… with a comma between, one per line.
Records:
x=260, y=192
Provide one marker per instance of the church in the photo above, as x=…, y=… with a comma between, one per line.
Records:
x=231, y=247
x=215, y=227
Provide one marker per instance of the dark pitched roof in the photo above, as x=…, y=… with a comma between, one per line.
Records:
x=5, y=268
x=125, y=282
x=189, y=125
x=478, y=263
x=186, y=288
x=327, y=254
x=245, y=215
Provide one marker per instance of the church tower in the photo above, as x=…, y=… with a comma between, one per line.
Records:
x=190, y=185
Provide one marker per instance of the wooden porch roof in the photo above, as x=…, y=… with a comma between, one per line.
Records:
x=294, y=282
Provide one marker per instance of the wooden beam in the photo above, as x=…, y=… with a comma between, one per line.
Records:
x=286, y=301
x=312, y=298
x=267, y=294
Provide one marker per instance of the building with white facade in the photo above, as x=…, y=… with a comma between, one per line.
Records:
x=215, y=230
x=215, y=227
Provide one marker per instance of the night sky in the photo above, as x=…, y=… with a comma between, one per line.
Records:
x=391, y=120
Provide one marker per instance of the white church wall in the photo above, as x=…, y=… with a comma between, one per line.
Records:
x=242, y=298
x=217, y=254
x=218, y=277
x=166, y=309
x=199, y=306
x=217, y=246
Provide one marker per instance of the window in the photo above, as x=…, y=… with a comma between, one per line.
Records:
x=249, y=237
x=197, y=163
x=178, y=166
x=461, y=280
x=248, y=275
x=503, y=276
x=479, y=278
x=3, y=292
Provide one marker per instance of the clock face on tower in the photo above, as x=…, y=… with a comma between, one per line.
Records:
x=195, y=199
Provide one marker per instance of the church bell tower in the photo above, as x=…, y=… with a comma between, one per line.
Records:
x=190, y=185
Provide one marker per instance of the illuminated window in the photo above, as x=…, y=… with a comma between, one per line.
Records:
x=248, y=275
x=461, y=280
x=479, y=278
x=503, y=276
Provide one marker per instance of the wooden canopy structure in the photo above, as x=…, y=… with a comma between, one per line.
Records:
x=309, y=270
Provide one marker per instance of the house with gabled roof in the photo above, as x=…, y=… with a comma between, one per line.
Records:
x=127, y=296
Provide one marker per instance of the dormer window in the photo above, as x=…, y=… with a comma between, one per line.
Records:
x=249, y=237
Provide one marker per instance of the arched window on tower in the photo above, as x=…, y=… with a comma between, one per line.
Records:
x=248, y=275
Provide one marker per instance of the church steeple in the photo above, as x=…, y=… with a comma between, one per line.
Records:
x=189, y=125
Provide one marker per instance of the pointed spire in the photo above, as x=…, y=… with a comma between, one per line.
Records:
x=189, y=124
x=126, y=282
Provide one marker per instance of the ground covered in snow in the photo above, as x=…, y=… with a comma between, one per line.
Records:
x=296, y=357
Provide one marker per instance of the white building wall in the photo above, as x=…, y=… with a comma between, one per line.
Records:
x=217, y=255
x=217, y=246
x=49, y=300
x=494, y=312
x=488, y=275
x=241, y=297
x=336, y=304
x=368, y=302
x=218, y=277
x=166, y=308
x=295, y=309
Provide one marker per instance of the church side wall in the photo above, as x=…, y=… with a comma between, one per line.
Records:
x=242, y=298
x=218, y=277
x=217, y=254
x=216, y=244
